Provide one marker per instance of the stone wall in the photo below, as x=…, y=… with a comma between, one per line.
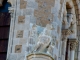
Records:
x=29, y=19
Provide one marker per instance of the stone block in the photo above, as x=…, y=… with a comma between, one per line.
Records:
x=33, y=20
x=28, y=11
x=39, y=57
x=32, y=4
x=22, y=41
x=19, y=34
x=12, y=56
x=21, y=19
x=18, y=48
x=46, y=2
x=44, y=20
x=21, y=56
x=23, y=4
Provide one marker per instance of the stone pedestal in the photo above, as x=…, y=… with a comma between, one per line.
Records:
x=39, y=56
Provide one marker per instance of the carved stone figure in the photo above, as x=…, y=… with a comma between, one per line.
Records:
x=70, y=19
x=43, y=43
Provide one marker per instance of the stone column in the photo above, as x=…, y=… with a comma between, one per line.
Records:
x=64, y=48
x=65, y=34
x=73, y=43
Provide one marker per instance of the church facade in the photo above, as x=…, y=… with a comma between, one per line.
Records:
x=44, y=30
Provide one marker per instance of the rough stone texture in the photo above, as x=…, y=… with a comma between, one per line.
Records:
x=21, y=56
x=22, y=41
x=43, y=13
x=18, y=48
x=20, y=34
x=31, y=19
x=21, y=19
x=23, y=4
x=12, y=56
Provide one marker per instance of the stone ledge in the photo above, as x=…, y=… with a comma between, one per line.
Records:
x=40, y=56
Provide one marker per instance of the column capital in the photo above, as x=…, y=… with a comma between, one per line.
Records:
x=73, y=43
x=65, y=34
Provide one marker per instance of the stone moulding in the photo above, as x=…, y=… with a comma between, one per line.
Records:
x=39, y=56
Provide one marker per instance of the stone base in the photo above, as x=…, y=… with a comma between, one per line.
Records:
x=39, y=56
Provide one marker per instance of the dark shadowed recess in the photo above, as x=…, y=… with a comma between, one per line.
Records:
x=4, y=29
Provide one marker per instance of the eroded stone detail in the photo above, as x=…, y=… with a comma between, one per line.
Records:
x=73, y=44
x=20, y=34
x=23, y=4
x=43, y=13
x=21, y=19
x=18, y=48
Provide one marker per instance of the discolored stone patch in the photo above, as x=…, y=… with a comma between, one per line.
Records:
x=43, y=13
x=21, y=19
x=18, y=48
x=23, y=4
x=20, y=34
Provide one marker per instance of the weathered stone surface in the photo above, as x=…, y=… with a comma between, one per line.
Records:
x=43, y=13
x=22, y=41
x=29, y=33
x=21, y=19
x=21, y=56
x=12, y=56
x=19, y=34
x=18, y=48
x=28, y=11
x=32, y=4
x=23, y=4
